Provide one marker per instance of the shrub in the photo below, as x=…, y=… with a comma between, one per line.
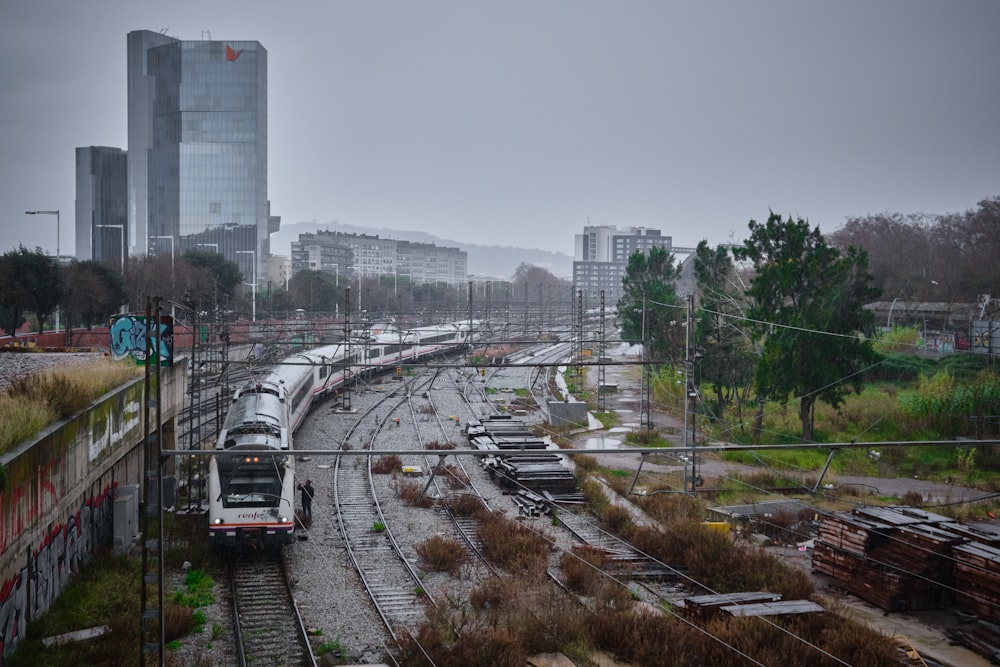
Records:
x=464, y=504
x=440, y=554
x=435, y=444
x=412, y=493
x=581, y=569
x=386, y=465
x=457, y=479
x=617, y=520
x=585, y=461
x=512, y=545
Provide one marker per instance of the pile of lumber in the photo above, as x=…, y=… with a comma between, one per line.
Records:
x=902, y=558
x=703, y=608
x=977, y=579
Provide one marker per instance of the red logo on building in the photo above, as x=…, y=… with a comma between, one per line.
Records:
x=232, y=55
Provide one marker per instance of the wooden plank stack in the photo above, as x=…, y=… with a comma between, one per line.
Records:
x=977, y=578
x=703, y=607
x=902, y=558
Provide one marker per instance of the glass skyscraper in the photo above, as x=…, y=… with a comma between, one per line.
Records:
x=101, y=207
x=197, y=152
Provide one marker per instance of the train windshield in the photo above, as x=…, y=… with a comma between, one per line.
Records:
x=253, y=492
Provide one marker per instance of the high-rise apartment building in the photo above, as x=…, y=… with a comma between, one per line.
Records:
x=369, y=256
x=197, y=149
x=601, y=257
x=101, y=205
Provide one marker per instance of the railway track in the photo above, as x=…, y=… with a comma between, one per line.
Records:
x=464, y=526
x=620, y=557
x=266, y=621
x=392, y=583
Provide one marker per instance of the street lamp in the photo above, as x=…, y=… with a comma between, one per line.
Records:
x=253, y=306
x=55, y=213
x=336, y=273
x=121, y=230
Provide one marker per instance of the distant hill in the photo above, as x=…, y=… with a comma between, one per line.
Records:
x=494, y=261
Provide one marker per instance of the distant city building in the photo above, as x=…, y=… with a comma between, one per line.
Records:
x=322, y=252
x=601, y=258
x=428, y=263
x=197, y=149
x=351, y=255
x=101, y=204
x=279, y=270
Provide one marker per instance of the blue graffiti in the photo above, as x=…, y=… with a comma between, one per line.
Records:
x=128, y=338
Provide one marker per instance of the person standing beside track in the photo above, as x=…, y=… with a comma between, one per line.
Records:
x=307, y=497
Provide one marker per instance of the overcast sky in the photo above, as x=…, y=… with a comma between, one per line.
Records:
x=517, y=122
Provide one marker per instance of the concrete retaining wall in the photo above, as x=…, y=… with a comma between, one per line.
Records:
x=567, y=414
x=58, y=493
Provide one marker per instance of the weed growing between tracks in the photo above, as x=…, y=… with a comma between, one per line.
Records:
x=508, y=618
x=511, y=545
x=412, y=494
x=464, y=504
x=440, y=554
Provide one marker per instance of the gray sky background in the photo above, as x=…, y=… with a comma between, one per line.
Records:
x=515, y=122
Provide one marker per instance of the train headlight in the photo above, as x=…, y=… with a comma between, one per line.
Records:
x=283, y=519
x=217, y=522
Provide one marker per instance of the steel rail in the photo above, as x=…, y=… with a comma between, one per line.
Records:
x=701, y=449
x=364, y=508
x=258, y=590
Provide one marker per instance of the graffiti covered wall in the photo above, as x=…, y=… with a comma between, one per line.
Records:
x=128, y=338
x=57, y=497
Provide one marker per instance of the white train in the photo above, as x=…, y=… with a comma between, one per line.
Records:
x=252, y=486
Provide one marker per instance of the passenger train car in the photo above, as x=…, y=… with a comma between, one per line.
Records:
x=251, y=480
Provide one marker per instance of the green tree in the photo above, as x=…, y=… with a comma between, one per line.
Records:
x=94, y=292
x=225, y=274
x=279, y=300
x=313, y=291
x=13, y=298
x=807, y=299
x=727, y=364
x=650, y=293
x=32, y=281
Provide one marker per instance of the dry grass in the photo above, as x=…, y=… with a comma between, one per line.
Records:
x=412, y=494
x=511, y=545
x=586, y=462
x=618, y=520
x=505, y=620
x=464, y=504
x=436, y=444
x=580, y=569
x=457, y=479
x=33, y=402
x=440, y=554
x=387, y=465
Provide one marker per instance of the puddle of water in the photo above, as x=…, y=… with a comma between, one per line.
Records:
x=602, y=443
x=619, y=429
